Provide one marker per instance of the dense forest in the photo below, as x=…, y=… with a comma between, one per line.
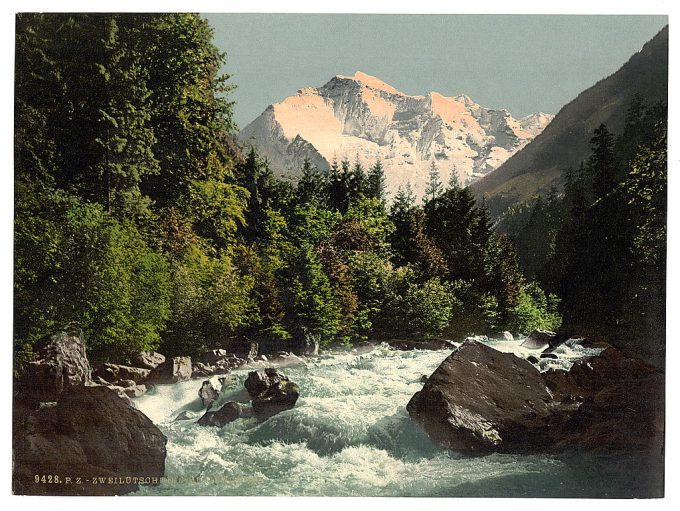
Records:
x=601, y=244
x=141, y=221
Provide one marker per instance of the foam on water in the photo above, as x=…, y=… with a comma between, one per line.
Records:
x=349, y=434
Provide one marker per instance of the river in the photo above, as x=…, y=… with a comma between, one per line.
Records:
x=350, y=434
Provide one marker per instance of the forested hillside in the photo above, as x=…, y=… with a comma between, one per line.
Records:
x=139, y=221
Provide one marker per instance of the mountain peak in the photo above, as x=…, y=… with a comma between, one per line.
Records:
x=371, y=81
x=364, y=116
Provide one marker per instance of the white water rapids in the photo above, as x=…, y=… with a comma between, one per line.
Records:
x=350, y=434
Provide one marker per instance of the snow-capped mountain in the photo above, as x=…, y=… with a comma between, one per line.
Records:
x=363, y=117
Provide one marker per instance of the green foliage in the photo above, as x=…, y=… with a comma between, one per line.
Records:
x=312, y=187
x=428, y=307
x=370, y=213
x=414, y=309
x=534, y=311
x=76, y=265
x=311, y=307
x=211, y=302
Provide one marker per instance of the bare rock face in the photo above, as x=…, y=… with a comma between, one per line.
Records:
x=171, y=371
x=480, y=399
x=60, y=362
x=90, y=432
x=148, y=359
x=271, y=392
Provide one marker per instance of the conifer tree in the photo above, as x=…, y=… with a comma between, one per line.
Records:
x=311, y=187
x=434, y=186
x=376, y=182
x=454, y=183
x=601, y=164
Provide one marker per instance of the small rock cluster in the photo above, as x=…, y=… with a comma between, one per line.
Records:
x=270, y=392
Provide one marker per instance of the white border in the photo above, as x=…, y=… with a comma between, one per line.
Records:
x=348, y=6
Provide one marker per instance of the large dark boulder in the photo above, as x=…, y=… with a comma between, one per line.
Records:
x=148, y=359
x=171, y=371
x=480, y=399
x=117, y=373
x=271, y=392
x=60, y=362
x=90, y=433
x=421, y=344
x=228, y=413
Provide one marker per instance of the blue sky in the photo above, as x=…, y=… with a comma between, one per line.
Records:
x=519, y=62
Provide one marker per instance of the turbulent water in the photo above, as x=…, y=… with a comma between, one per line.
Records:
x=350, y=434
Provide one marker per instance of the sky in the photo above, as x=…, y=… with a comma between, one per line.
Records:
x=522, y=63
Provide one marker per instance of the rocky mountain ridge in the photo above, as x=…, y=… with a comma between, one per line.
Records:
x=361, y=117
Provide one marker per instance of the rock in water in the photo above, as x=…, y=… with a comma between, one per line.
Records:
x=538, y=339
x=507, y=336
x=271, y=392
x=213, y=356
x=148, y=359
x=60, y=362
x=228, y=413
x=173, y=370
x=208, y=393
x=480, y=399
x=90, y=432
x=117, y=373
x=135, y=391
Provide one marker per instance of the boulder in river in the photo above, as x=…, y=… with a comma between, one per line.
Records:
x=538, y=339
x=271, y=392
x=116, y=373
x=90, y=432
x=507, y=336
x=285, y=359
x=208, y=393
x=212, y=356
x=171, y=371
x=226, y=414
x=480, y=399
x=59, y=362
x=135, y=390
x=148, y=359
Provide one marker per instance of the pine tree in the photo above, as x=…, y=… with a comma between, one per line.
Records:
x=454, y=183
x=357, y=181
x=434, y=186
x=336, y=188
x=311, y=187
x=602, y=164
x=376, y=182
